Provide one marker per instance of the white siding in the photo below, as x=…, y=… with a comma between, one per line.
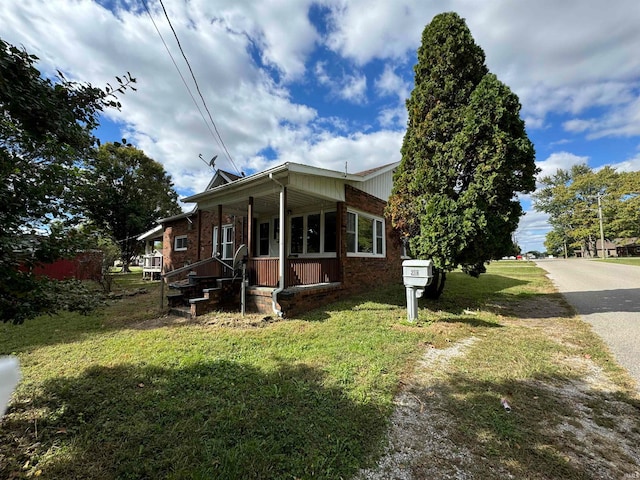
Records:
x=378, y=186
x=323, y=187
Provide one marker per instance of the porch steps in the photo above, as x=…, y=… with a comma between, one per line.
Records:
x=211, y=299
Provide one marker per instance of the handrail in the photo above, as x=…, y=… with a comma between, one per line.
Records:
x=186, y=268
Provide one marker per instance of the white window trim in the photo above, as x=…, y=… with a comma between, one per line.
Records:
x=175, y=243
x=305, y=217
x=382, y=254
x=228, y=226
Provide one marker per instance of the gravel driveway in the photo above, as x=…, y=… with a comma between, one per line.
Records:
x=607, y=296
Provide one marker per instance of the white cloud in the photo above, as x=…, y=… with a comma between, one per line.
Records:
x=559, y=160
x=621, y=122
x=630, y=165
x=352, y=88
x=251, y=58
x=532, y=231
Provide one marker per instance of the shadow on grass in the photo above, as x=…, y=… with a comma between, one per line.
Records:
x=216, y=420
x=558, y=427
x=461, y=294
x=471, y=322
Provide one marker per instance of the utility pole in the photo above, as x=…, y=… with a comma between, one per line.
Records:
x=604, y=250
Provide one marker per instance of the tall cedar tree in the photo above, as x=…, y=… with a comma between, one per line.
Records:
x=464, y=156
x=45, y=132
x=125, y=192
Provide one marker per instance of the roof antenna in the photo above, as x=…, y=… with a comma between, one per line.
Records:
x=346, y=164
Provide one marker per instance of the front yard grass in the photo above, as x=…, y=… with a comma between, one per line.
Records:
x=623, y=260
x=119, y=394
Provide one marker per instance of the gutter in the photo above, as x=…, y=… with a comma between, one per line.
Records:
x=276, y=292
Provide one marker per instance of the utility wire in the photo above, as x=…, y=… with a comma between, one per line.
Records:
x=204, y=103
x=144, y=2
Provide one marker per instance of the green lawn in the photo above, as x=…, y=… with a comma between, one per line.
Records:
x=623, y=260
x=107, y=396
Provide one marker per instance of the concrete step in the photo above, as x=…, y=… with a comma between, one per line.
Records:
x=181, y=311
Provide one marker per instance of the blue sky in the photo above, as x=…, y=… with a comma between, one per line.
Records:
x=324, y=82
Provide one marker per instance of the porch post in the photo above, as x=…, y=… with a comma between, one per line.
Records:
x=250, y=228
x=283, y=237
x=199, y=240
x=219, y=236
x=341, y=228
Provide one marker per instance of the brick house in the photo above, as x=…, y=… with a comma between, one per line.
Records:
x=312, y=235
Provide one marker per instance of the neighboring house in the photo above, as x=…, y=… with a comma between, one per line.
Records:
x=618, y=247
x=628, y=247
x=312, y=235
x=609, y=246
x=152, y=258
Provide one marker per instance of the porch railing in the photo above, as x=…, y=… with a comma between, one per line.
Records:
x=210, y=267
x=298, y=271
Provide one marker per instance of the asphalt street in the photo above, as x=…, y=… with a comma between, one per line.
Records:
x=607, y=296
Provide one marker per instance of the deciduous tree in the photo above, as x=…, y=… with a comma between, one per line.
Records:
x=45, y=132
x=124, y=192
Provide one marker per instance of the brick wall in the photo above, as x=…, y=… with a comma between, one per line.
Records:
x=361, y=273
x=199, y=234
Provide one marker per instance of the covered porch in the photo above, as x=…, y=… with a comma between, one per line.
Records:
x=290, y=219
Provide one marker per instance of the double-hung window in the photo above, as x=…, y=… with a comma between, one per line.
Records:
x=227, y=242
x=180, y=243
x=365, y=234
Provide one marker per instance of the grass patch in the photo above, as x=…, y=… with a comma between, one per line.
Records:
x=622, y=260
x=115, y=395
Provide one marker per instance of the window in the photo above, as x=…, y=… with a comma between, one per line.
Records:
x=365, y=234
x=313, y=233
x=263, y=241
x=297, y=230
x=351, y=231
x=180, y=243
x=227, y=242
x=330, y=232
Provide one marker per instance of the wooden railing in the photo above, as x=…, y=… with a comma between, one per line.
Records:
x=298, y=271
x=210, y=267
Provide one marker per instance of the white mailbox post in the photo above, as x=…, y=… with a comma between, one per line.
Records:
x=417, y=274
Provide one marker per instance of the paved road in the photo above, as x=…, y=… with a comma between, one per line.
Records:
x=608, y=297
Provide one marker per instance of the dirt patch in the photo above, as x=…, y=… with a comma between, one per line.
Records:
x=600, y=437
x=420, y=445
x=210, y=320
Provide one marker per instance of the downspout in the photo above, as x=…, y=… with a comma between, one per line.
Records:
x=274, y=294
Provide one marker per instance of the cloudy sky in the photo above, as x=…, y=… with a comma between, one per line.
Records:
x=324, y=82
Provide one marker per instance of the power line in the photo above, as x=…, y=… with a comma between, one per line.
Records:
x=204, y=103
x=144, y=2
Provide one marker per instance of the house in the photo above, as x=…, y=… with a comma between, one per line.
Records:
x=312, y=235
x=628, y=247
x=618, y=247
x=152, y=258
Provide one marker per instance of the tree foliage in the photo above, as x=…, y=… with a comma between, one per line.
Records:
x=464, y=156
x=45, y=133
x=570, y=198
x=124, y=192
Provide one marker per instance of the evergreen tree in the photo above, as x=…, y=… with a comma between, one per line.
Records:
x=464, y=156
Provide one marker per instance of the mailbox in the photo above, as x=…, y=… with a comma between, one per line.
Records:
x=417, y=274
